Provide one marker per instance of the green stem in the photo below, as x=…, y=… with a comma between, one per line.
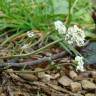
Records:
x=69, y=48
x=72, y=7
x=10, y=38
x=34, y=52
x=63, y=45
x=69, y=11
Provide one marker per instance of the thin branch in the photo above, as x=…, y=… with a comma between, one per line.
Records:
x=32, y=53
x=42, y=60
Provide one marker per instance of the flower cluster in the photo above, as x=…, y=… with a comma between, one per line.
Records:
x=25, y=46
x=30, y=34
x=80, y=63
x=73, y=35
x=60, y=27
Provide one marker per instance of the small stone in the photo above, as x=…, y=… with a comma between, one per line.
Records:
x=40, y=74
x=90, y=94
x=79, y=78
x=55, y=76
x=2, y=94
x=43, y=76
x=83, y=75
x=73, y=75
x=75, y=87
x=47, y=78
x=65, y=81
x=29, y=77
x=93, y=73
x=88, y=85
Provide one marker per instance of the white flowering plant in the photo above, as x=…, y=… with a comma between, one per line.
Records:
x=80, y=63
x=73, y=36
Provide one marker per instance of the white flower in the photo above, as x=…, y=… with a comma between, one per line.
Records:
x=60, y=27
x=80, y=63
x=75, y=36
x=25, y=46
x=30, y=34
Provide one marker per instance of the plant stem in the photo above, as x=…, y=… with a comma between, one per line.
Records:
x=29, y=72
x=72, y=7
x=10, y=38
x=69, y=11
x=34, y=52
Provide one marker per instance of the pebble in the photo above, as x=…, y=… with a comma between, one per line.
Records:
x=73, y=75
x=40, y=74
x=88, y=85
x=75, y=87
x=65, y=81
x=93, y=73
x=82, y=76
x=43, y=76
x=90, y=94
x=27, y=76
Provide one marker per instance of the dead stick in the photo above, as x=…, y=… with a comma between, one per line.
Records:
x=42, y=60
